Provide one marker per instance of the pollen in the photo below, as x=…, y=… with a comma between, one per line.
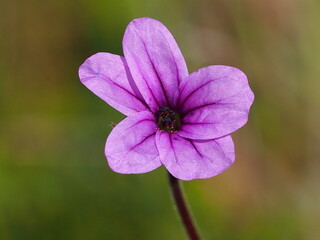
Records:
x=168, y=120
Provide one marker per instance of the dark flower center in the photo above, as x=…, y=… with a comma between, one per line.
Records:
x=168, y=120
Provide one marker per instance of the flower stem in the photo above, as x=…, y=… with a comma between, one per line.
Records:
x=182, y=208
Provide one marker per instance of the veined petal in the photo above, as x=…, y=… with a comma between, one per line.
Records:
x=188, y=159
x=131, y=146
x=155, y=61
x=107, y=75
x=214, y=102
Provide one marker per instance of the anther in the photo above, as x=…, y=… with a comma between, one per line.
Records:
x=168, y=120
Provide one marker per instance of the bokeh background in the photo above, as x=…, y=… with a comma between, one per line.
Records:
x=54, y=179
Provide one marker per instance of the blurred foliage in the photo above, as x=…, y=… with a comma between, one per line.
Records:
x=54, y=180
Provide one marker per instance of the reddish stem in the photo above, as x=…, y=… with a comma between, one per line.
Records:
x=182, y=208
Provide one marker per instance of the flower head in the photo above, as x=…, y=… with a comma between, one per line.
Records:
x=173, y=119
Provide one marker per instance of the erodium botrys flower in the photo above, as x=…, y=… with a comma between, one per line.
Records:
x=173, y=119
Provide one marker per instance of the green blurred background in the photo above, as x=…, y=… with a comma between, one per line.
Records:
x=54, y=179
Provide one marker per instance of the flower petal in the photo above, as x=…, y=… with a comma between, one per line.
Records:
x=215, y=101
x=155, y=61
x=131, y=146
x=107, y=76
x=188, y=159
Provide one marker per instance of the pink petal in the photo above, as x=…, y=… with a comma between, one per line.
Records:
x=155, y=61
x=107, y=76
x=131, y=146
x=192, y=159
x=214, y=101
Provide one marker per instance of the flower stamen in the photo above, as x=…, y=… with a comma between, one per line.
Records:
x=168, y=120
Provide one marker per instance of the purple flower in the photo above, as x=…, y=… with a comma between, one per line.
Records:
x=173, y=119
